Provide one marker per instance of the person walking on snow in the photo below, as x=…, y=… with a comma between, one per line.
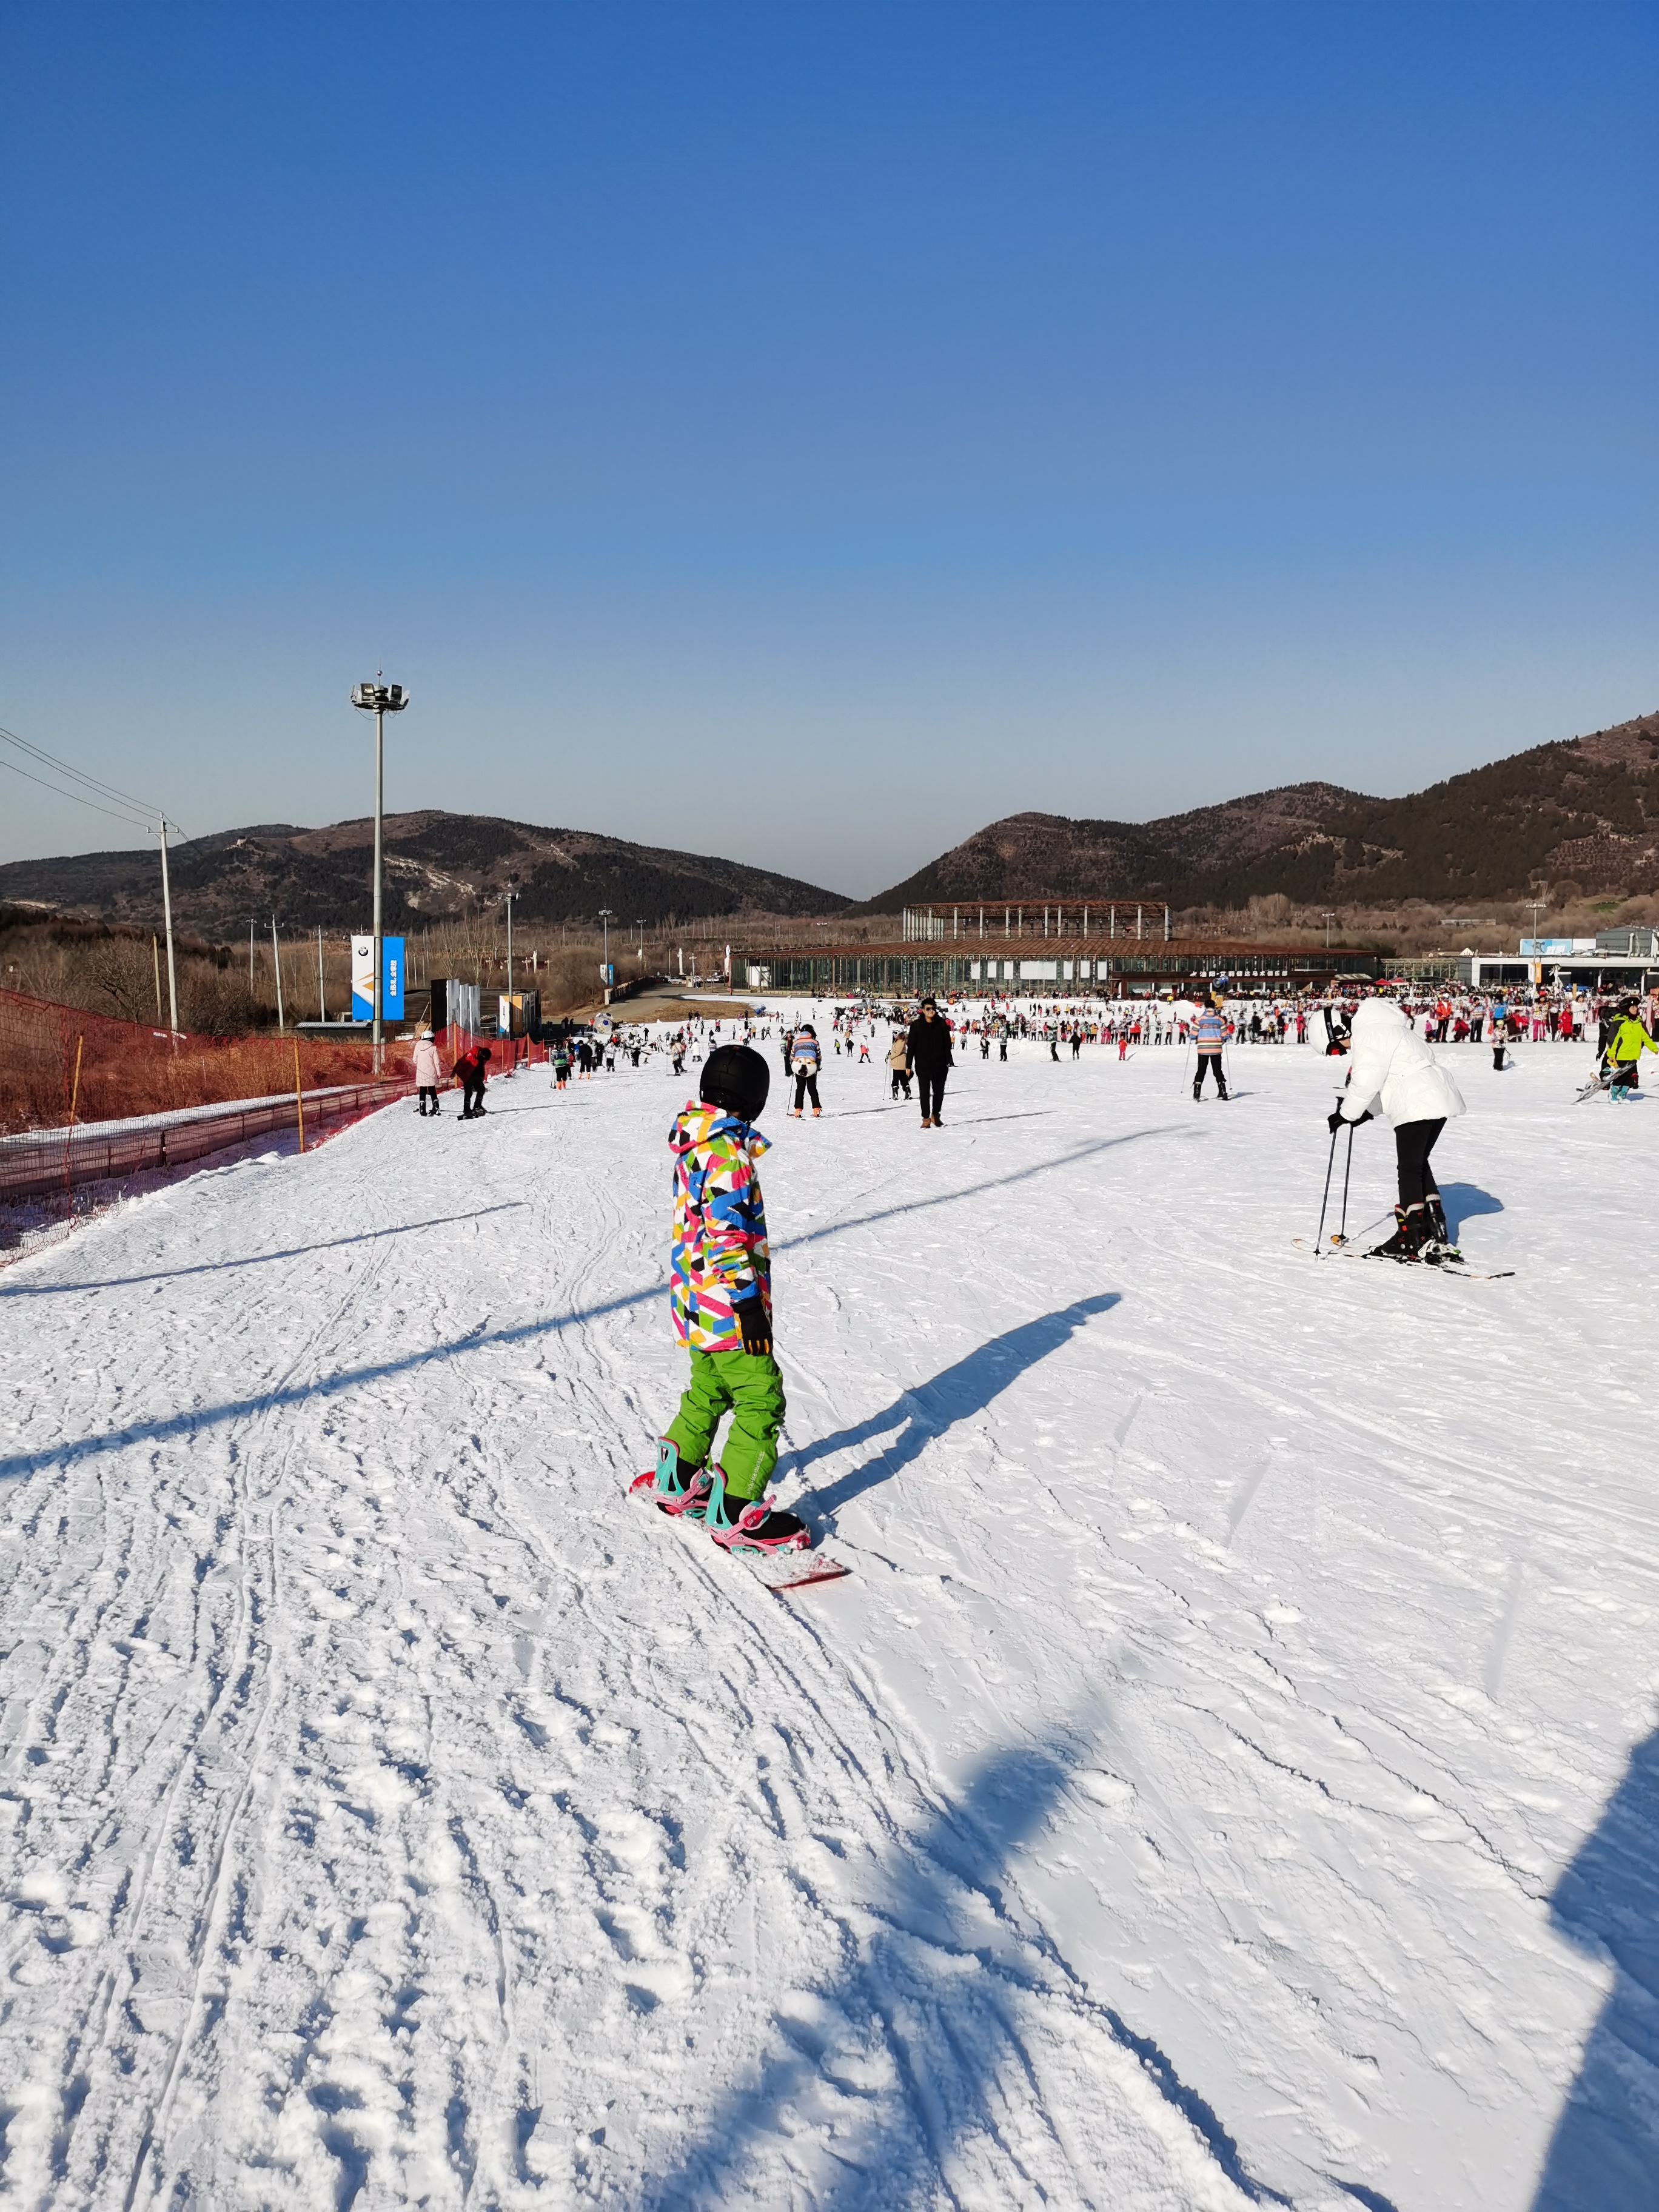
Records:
x=429, y=1071
x=929, y=1046
x=721, y=1292
x=807, y=1060
x=1210, y=1034
x=898, y=1061
x=1393, y=1072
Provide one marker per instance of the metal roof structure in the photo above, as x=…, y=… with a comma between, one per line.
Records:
x=1091, y=965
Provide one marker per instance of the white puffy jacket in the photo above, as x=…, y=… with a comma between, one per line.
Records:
x=1392, y=1068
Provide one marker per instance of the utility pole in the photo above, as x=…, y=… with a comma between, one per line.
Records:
x=276, y=962
x=379, y=699
x=1328, y=919
x=606, y=917
x=322, y=996
x=167, y=912
x=512, y=893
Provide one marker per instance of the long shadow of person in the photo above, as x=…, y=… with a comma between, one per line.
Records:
x=1604, y=2154
x=946, y=2057
x=952, y=1396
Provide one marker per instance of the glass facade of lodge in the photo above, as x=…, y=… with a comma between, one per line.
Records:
x=901, y=970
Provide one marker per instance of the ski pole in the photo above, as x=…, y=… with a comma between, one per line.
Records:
x=1319, y=1234
x=1342, y=1233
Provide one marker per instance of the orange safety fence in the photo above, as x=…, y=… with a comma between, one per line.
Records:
x=85, y=1099
x=128, y=1068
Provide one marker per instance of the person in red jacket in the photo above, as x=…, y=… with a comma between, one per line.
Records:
x=469, y=1071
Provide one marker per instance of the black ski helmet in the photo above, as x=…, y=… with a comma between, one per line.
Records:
x=737, y=1079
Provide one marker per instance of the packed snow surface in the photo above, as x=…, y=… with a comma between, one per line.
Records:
x=1226, y=1777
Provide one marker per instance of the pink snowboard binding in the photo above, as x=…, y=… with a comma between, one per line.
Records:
x=739, y=1524
x=670, y=1490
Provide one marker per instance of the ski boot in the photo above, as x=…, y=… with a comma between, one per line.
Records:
x=746, y=1524
x=683, y=1492
x=1438, y=1250
x=1410, y=1232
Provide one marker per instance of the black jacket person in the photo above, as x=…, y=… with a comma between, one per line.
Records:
x=931, y=1060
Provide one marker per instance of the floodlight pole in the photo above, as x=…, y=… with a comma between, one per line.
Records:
x=606, y=917
x=167, y=911
x=380, y=699
x=509, y=942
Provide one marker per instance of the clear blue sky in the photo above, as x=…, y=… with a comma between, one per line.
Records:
x=806, y=433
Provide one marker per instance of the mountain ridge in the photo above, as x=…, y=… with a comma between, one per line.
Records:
x=1581, y=813
x=437, y=864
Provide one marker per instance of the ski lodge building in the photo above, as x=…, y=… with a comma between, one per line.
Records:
x=1119, y=949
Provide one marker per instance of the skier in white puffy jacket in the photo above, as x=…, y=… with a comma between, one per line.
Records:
x=1391, y=1072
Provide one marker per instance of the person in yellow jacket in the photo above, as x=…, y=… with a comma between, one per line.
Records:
x=1626, y=1046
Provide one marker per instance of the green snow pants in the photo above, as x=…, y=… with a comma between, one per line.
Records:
x=748, y=1386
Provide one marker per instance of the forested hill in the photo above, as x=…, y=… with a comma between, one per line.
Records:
x=1581, y=815
x=436, y=865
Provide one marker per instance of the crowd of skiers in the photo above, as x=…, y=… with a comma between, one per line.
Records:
x=719, y=1271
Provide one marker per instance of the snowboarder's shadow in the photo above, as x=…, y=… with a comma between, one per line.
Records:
x=932, y=1407
x=1466, y=1201
x=1604, y=2150
x=952, y=2039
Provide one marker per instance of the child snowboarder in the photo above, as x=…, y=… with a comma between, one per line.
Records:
x=720, y=1289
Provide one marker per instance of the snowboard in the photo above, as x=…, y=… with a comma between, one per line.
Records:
x=780, y=1572
x=1454, y=1270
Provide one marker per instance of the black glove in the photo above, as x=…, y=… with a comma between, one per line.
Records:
x=756, y=1329
x=1334, y=1122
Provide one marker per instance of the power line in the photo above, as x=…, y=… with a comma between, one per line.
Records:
x=134, y=819
x=66, y=767
x=142, y=820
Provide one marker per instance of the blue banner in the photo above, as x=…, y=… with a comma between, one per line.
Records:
x=392, y=979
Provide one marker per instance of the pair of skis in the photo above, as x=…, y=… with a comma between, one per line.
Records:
x=1453, y=1269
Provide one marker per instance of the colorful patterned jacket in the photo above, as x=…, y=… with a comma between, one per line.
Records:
x=1210, y=1030
x=720, y=1254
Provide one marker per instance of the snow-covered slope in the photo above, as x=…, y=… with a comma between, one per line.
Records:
x=1227, y=1776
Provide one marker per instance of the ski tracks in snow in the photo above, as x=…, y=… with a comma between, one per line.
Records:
x=395, y=1815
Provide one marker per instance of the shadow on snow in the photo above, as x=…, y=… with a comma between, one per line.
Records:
x=953, y=1396
x=935, y=2034
x=1604, y=2150
x=16, y=1465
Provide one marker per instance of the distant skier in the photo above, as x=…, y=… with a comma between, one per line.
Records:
x=429, y=1072
x=1393, y=1072
x=720, y=1290
x=898, y=1061
x=469, y=1069
x=929, y=1045
x=1625, y=1047
x=1210, y=1033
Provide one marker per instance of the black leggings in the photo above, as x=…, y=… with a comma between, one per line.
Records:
x=1208, y=1061
x=900, y=1081
x=807, y=1086
x=931, y=1088
x=1412, y=1143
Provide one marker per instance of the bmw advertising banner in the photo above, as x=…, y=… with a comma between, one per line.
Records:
x=362, y=979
